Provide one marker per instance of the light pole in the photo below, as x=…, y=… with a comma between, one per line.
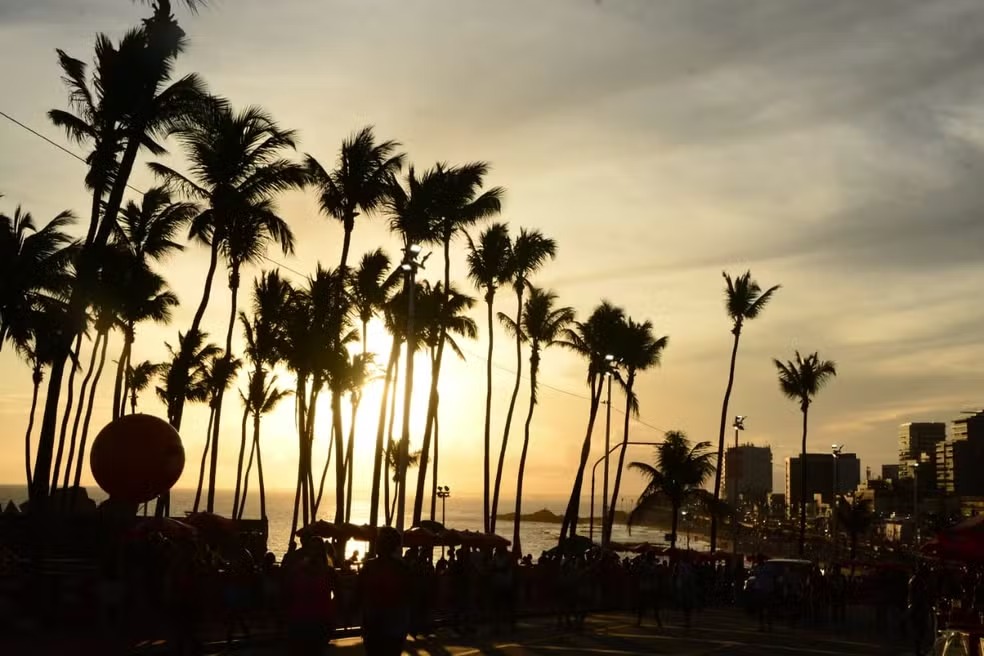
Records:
x=409, y=265
x=443, y=493
x=687, y=524
x=915, y=497
x=610, y=365
x=739, y=425
x=835, y=449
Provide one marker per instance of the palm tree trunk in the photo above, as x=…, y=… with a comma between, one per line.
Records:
x=336, y=420
x=299, y=399
x=69, y=401
x=437, y=426
x=534, y=362
x=183, y=360
x=377, y=455
x=389, y=442
x=509, y=413
x=259, y=465
x=76, y=317
x=675, y=509
x=217, y=425
x=239, y=465
x=205, y=451
x=802, y=540
x=119, y=393
x=36, y=379
x=249, y=466
x=489, y=297
x=78, y=415
x=724, y=420
x=606, y=531
x=573, y=505
x=350, y=452
x=404, y=443
x=88, y=412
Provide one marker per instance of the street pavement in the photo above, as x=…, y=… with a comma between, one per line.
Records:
x=714, y=632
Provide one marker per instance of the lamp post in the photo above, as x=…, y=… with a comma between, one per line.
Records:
x=915, y=497
x=610, y=365
x=687, y=524
x=594, y=470
x=409, y=266
x=739, y=425
x=443, y=493
x=835, y=449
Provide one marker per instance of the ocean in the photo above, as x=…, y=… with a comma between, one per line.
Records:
x=461, y=513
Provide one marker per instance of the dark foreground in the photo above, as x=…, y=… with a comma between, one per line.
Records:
x=722, y=632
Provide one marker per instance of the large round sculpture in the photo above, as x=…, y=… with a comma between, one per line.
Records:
x=136, y=458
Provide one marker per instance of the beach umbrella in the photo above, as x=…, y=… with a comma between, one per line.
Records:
x=137, y=458
x=419, y=537
x=212, y=527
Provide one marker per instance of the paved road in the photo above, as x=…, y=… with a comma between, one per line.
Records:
x=716, y=632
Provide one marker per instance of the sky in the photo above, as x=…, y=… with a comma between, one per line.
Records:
x=835, y=148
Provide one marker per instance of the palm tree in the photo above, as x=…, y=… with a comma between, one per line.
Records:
x=529, y=252
x=34, y=268
x=370, y=286
x=489, y=262
x=543, y=324
x=192, y=384
x=359, y=183
x=128, y=105
x=458, y=205
x=263, y=404
x=360, y=373
x=593, y=339
x=679, y=474
x=801, y=380
x=394, y=453
x=236, y=159
x=219, y=374
x=442, y=316
x=744, y=301
x=139, y=378
x=637, y=350
x=148, y=232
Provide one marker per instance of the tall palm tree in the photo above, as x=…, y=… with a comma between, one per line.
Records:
x=489, y=262
x=219, y=374
x=237, y=166
x=130, y=103
x=593, y=339
x=679, y=474
x=140, y=377
x=192, y=385
x=148, y=231
x=360, y=373
x=370, y=286
x=744, y=301
x=260, y=402
x=637, y=350
x=394, y=454
x=529, y=252
x=34, y=268
x=800, y=380
x=459, y=204
x=358, y=183
x=543, y=324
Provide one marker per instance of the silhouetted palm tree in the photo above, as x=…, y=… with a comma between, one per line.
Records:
x=593, y=339
x=34, y=269
x=459, y=204
x=744, y=301
x=260, y=402
x=140, y=377
x=358, y=183
x=393, y=455
x=359, y=373
x=147, y=231
x=220, y=373
x=637, y=350
x=800, y=380
x=679, y=474
x=236, y=160
x=855, y=517
x=529, y=252
x=543, y=324
x=121, y=113
x=489, y=262
x=191, y=384
x=370, y=286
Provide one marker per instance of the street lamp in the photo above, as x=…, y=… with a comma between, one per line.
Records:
x=739, y=425
x=443, y=493
x=835, y=449
x=611, y=368
x=685, y=513
x=410, y=266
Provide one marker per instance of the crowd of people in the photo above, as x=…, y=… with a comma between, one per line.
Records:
x=187, y=592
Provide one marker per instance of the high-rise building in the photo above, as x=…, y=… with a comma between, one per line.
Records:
x=890, y=472
x=748, y=474
x=959, y=458
x=918, y=441
x=820, y=476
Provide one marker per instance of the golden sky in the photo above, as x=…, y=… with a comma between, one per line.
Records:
x=833, y=147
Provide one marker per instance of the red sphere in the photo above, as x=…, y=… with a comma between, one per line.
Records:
x=136, y=458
